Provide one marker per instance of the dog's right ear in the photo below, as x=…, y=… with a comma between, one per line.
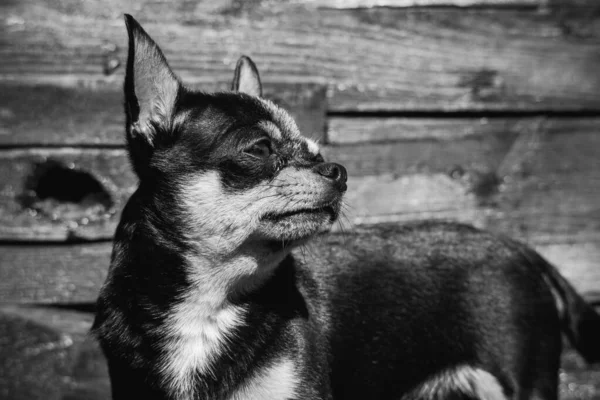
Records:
x=151, y=90
x=246, y=78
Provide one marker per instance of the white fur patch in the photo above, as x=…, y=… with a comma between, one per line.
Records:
x=313, y=147
x=276, y=382
x=224, y=221
x=271, y=129
x=199, y=329
x=473, y=382
x=282, y=118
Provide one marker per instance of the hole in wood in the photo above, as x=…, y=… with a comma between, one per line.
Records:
x=65, y=193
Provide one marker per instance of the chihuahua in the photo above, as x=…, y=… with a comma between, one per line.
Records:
x=222, y=284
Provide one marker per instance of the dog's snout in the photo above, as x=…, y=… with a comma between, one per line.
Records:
x=334, y=172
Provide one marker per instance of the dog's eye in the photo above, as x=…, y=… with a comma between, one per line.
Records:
x=261, y=149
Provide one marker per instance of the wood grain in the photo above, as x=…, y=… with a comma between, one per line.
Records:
x=540, y=174
x=25, y=217
x=482, y=152
x=543, y=186
x=370, y=59
x=53, y=273
x=422, y=3
x=33, y=115
x=540, y=4
x=36, y=353
x=365, y=129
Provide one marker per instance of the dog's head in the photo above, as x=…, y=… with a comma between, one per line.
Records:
x=232, y=168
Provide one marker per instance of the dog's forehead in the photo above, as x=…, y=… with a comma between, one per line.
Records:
x=218, y=112
x=282, y=127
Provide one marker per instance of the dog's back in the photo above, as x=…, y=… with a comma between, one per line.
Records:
x=444, y=304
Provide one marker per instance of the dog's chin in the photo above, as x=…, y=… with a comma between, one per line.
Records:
x=295, y=227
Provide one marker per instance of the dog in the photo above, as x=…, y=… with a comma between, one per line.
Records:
x=222, y=284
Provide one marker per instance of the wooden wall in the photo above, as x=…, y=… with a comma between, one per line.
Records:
x=484, y=111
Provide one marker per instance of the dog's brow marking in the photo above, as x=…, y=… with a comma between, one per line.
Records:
x=278, y=381
x=313, y=147
x=282, y=118
x=271, y=129
x=473, y=382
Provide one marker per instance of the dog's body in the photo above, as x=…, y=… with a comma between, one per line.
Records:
x=205, y=298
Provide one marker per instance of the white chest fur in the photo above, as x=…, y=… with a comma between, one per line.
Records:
x=275, y=382
x=199, y=330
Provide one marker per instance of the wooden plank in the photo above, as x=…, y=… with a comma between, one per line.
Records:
x=543, y=187
x=422, y=3
x=53, y=273
x=489, y=174
x=400, y=157
x=364, y=129
x=541, y=4
x=92, y=216
x=436, y=196
x=373, y=146
x=89, y=380
x=37, y=351
x=371, y=59
x=189, y=10
x=54, y=115
x=62, y=194
x=379, y=145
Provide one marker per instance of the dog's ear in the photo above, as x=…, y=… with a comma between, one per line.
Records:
x=246, y=78
x=151, y=90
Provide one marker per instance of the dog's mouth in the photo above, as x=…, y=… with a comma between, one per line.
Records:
x=329, y=210
x=299, y=223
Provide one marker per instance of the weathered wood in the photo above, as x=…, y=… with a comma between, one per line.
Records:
x=37, y=351
x=89, y=380
x=364, y=129
x=24, y=216
x=419, y=196
x=54, y=115
x=550, y=183
x=60, y=194
x=544, y=184
x=53, y=273
x=542, y=4
x=371, y=59
x=422, y=3
x=484, y=152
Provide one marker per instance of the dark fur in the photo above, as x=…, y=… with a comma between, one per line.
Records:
x=369, y=314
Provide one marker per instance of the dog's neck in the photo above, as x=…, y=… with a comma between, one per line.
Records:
x=215, y=306
x=229, y=275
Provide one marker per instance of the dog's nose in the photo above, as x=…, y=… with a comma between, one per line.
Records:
x=334, y=172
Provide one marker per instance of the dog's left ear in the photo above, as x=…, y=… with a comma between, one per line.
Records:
x=246, y=78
